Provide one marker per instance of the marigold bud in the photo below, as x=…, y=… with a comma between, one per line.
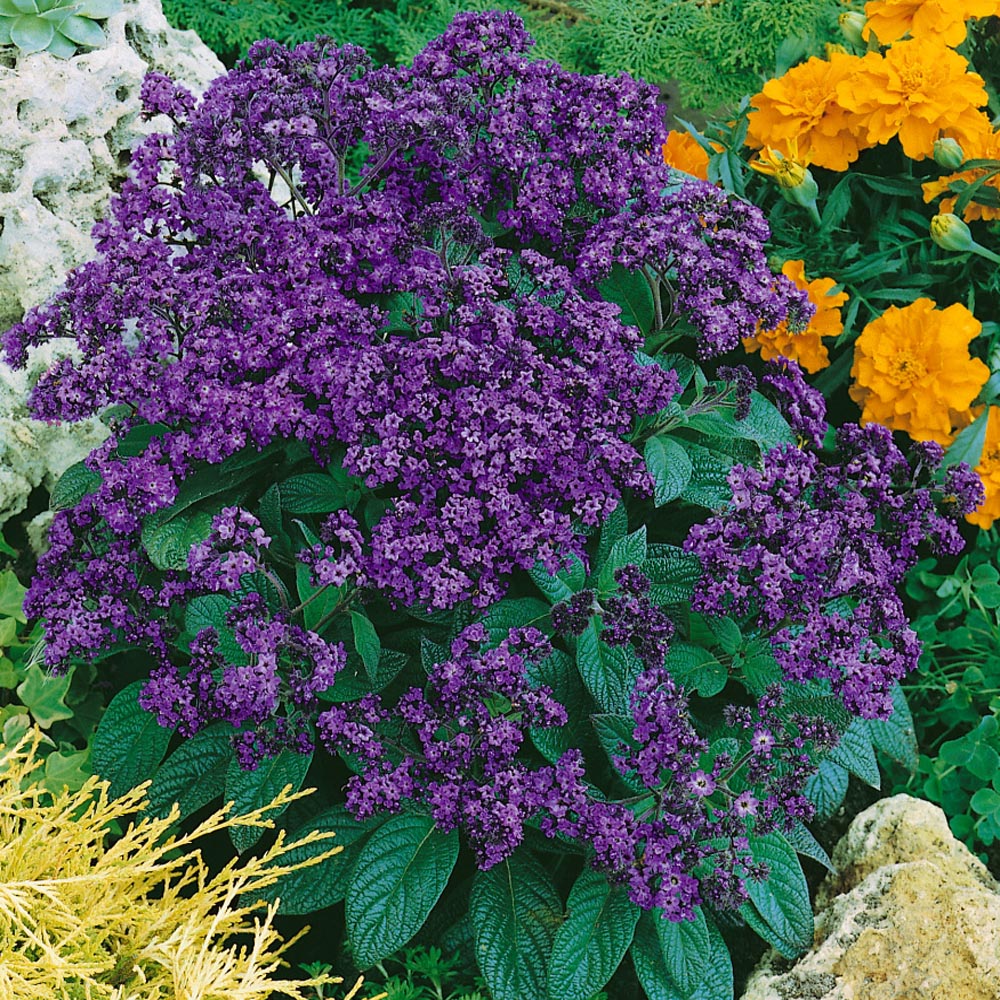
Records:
x=948, y=154
x=949, y=232
x=852, y=23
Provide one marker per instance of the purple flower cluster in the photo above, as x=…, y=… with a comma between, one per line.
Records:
x=267, y=666
x=466, y=731
x=254, y=285
x=812, y=553
x=799, y=403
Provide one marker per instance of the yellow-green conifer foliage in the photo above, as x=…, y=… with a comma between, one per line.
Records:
x=88, y=916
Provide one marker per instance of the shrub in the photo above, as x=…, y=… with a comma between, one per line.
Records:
x=84, y=915
x=404, y=471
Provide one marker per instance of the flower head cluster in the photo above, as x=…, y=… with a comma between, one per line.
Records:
x=434, y=312
x=233, y=548
x=827, y=111
x=806, y=346
x=246, y=674
x=800, y=404
x=813, y=553
x=912, y=370
x=466, y=733
x=942, y=20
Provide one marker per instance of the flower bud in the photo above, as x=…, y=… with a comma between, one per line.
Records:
x=950, y=233
x=948, y=154
x=852, y=23
x=794, y=180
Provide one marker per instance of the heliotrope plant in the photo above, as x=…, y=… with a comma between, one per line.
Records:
x=402, y=471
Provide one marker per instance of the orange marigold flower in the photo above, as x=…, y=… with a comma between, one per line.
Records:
x=912, y=370
x=807, y=347
x=943, y=20
x=802, y=106
x=682, y=152
x=917, y=90
x=988, y=471
x=984, y=146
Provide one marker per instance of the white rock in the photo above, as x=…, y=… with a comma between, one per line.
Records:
x=68, y=128
x=911, y=915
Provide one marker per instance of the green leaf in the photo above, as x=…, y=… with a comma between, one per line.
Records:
x=686, y=948
x=856, y=754
x=167, y=545
x=670, y=467
x=322, y=885
x=513, y=612
x=12, y=597
x=194, y=774
x=129, y=743
x=326, y=598
x=251, y=790
x=43, y=693
x=74, y=484
x=709, y=486
x=564, y=584
x=826, y=788
x=67, y=769
x=630, y=290
x=592, y=941
x=609, y=672
x=968, y=444
x=312, y=493
x=31, y=34
x=396, y=880
x=82, y=31
x=209, y=611
x=782, y=899
x=714, y=983
x=612, y=731
x=764, y=424
x=673, y=573
x=366, y=641
x=625, y=551
x=695, y=669
x=515, y=911
x=615, y=526
x=98, y=8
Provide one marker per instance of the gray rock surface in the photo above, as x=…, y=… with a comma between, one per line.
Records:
x=68, y=128
x=911, y=914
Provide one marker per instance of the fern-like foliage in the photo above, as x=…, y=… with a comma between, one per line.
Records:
x=229, y=27
x=713, y=51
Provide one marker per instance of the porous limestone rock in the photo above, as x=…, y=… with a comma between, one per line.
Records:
x=68, y=127
x=911, y=914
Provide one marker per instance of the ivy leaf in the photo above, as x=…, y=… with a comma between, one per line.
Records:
x=592, y=941
x=515, y=911
x=782, y=899
x=12, y=597
x=398, y=877
x=129, y=743
x=669, y=466
x=43, y=693
x=194, y=774
x=251, y=790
